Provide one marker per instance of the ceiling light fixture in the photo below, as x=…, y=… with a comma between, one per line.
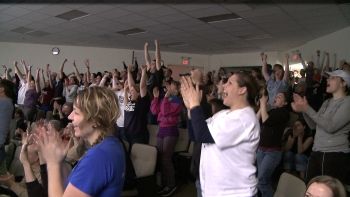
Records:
x=220, y=18
x=72, y=15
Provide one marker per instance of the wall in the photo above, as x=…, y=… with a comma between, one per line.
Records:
x=240, y=59
x=337, y=42
x=107, y=58
x=100, y=58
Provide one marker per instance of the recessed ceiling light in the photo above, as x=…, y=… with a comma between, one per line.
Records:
x=220, y=18
x=72, y=15
x=132, y=31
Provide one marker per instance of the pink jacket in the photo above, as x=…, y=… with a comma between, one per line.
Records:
x=168, y=110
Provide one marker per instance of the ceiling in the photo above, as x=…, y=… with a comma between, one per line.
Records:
x=263, y=27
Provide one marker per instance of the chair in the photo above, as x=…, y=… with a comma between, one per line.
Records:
x=290, y=186
x=144, y=159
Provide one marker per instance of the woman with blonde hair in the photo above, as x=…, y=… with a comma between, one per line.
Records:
x=100, y=172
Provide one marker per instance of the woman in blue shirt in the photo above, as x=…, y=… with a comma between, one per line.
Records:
x=100, y=172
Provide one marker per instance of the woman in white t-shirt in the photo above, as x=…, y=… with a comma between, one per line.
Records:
x=230, y=138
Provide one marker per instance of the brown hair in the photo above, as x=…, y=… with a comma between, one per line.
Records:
x=99, y=105
x=247, y=80
x=333, y=184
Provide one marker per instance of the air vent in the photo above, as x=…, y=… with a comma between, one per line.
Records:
x=22, y=30
x=72, y=15
x=38, y=33
x=220, y=18
x=133, y=31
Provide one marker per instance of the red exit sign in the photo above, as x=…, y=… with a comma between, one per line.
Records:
x=185, y=60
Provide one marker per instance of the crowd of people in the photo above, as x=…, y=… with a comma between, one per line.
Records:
x=246, y=126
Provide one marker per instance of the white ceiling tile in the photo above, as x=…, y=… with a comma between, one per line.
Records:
x=54, y=10
x=74, y=6
x=4, y=6
x=136, y=8
x=53, y=21
x=113, y=13
x=96, y=8
x=5, y=17
x=37, y=25
x=258, y=12
x=211, y=11
x=142, y=24
x=155, y=13
x=15, y=11
x=188, y=7
x=89, y=19
x=35, y=16
x=172, y=18
x=32, y=6
x=129, y=18
x=237, y=7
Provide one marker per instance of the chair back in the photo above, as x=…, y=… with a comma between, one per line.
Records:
x=144, y=159
x=290, y=186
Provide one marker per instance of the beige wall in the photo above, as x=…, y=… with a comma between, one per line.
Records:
x=100, y=58
x=108, y=58
x=337, y=42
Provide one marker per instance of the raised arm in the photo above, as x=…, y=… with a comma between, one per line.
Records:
x=25, y=67
x=50, y=79
x=143, y=83
x=114, y=80
x=103, y=80
x=43, y=76
x=286, y=70
x=158, y=57
x=62, y=68
x=18, y=72
x=131, y=81
x=37, y=81
x=147, y=57
x=302, y=60
x=87, y=64
x=264, y=67
x=325, y=67
x=29, y=74
x=7, y=74
x=76, y=71
x=263, y=108
x=335, y=61
x=318, y=63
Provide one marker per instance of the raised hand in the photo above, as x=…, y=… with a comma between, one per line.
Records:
x=287, y=56
x=26, y=140
x=87, y=63
x=51, y=146
x=191, y=94
x=299, y=103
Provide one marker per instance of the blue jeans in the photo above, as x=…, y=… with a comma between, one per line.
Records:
x=267, y=162
x=293, y=161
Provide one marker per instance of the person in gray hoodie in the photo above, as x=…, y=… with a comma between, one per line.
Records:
x=331, y=150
